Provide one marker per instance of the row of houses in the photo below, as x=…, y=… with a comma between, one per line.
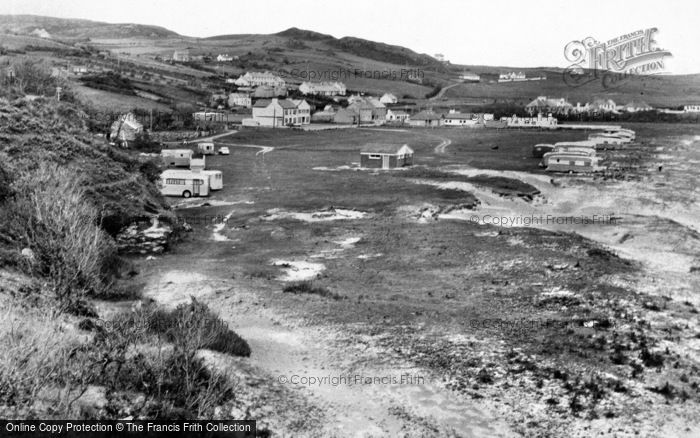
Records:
x=546, y=105
x=323, y=88
x=257, y=79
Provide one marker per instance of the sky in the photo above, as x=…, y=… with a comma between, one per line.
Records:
x=524, y=33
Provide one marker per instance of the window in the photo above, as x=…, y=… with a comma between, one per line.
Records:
x=374, y=156
x=175, y=181
x=197, y=182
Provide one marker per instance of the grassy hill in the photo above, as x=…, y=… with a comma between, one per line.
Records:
x=71, y=28
x=299, y=55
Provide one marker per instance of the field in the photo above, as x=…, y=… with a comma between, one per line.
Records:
x=532, y=330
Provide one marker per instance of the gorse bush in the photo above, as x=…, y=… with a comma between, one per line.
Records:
x=307, y=287
x=50, y=215
x=195, y=324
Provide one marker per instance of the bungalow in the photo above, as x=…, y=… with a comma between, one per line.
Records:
x=634, y=107
x=425, y=118
x=531, y=122
x=462, y=120
x=545, y=105
x=388, y=98
x=396, y=116
x=281, y=112
x=469, y=77
x=602, y=106
x=323, y=88
x=256, y=79
x=126, y=128
x=224, y=58
x=385, y=156
x=512, y=77
x=239, y=99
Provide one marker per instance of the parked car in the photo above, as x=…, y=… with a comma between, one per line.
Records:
x=224, y=150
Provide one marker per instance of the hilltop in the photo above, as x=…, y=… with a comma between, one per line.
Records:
x=72, y=28
x=144, y=52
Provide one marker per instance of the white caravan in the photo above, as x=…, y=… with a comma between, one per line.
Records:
x=176, y=157
x=216, y=179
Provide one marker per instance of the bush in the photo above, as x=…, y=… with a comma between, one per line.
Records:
x=196, y=324
x=51, y=216
x=307, y=287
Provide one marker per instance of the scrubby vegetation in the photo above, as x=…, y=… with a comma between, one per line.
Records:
x=64, y=195
x=307, y=287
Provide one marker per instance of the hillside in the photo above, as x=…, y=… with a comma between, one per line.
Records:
x=143, y=53
x=44, y=131
x=71, y=28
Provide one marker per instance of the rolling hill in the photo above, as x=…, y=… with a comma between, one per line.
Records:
x=71, y=28
x=299, y=55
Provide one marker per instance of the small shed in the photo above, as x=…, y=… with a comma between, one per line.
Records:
x=385, y=156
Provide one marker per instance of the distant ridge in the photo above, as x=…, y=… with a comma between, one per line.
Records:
x=74, y=28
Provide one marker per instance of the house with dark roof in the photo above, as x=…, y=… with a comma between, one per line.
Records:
x=385, y=156
x=546, y=105
x=281, y=112
x=425, y=118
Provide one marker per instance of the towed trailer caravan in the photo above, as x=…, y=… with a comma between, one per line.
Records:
x=588, y=150
x=621, y=132
x=206, y=148
x=609, y=139
x=570, y=162
x=176, y=157
x=185, y=183
x=540, y=149
x=216, y=179
x=546, y=159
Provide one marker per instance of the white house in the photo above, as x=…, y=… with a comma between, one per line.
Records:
x=469, y=77
x=691, y=108
x=126, y=128
x=460, y=119
x=240, y=99
x=531, y=122
x=256, y=79
x=396, y=116
x=512, y=77
x=181, y=56
x=281, y=112
x=388, y=98
x=323, y=88
x=224, y=58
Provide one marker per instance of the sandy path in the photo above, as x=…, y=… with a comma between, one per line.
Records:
x=284, y=350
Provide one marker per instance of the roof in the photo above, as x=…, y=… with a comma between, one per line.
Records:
x=383, y=148
x=426, y=115
x=284, y=103
x=460, y=116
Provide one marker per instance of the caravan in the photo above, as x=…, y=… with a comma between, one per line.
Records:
x=185, y=183
x=216, y=179
x=206, y=148
x=176, y=157
x=570, y=162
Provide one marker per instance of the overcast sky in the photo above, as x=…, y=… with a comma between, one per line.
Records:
x=527, y=33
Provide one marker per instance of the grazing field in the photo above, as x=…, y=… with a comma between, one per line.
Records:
x=382, y=271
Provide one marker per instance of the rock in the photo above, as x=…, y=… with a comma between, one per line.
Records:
x=93, y=400
x=28, y=254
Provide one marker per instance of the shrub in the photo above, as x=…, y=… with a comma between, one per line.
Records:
x=196, y=325
x=51, y=216
x=307, y=287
